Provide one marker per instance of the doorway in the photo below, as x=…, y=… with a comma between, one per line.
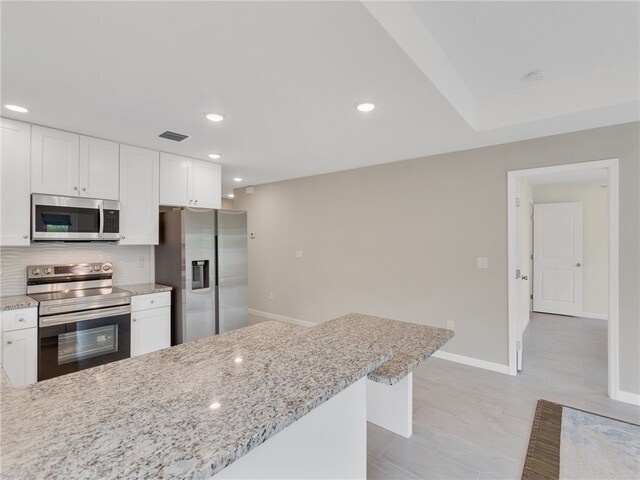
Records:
x=554, y=282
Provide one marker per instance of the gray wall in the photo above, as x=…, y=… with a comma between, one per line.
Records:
x=401, y=240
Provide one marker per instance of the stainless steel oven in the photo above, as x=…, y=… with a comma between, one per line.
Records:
x=56, y=218
x=83, y=321
x=87, y=341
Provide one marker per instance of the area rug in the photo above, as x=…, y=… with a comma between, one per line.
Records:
x=567, y=443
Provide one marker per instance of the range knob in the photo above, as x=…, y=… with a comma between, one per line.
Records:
x=47, y=271
x=35, y=271
x=96, y=268
x=106, y=268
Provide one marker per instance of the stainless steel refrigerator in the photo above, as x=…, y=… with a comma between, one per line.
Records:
x=202, y=254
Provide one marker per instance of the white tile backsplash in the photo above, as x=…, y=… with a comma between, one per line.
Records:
x=127, y=265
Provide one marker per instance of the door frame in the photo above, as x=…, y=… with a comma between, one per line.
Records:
x=613, y=340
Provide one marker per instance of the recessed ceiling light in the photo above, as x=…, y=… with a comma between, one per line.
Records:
x=16, y=108
x=365, y=107
x=237, y=179
x=238, y=359
x=214, y=117
x=214, y=406
x=231, y=195
x=215, y=156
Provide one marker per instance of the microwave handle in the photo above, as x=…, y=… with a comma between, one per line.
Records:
x=101, y=232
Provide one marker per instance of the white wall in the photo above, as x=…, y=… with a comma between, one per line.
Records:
x=595, y=231
x=401, y=240
x=126, y=262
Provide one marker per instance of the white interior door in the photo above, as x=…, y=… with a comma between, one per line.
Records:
x=557, y=258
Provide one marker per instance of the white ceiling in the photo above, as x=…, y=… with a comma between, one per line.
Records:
x=494, y=45
x=287, y=74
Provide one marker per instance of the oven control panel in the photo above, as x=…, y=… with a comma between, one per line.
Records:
x=69, y=270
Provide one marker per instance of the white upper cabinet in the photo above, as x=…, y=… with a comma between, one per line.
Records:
x=206, y=188
x=15, y=179
x=186, y=182
x=175, y=176
x=55, y=160
x=139, y=196
x=68, y=164
x=99, y=173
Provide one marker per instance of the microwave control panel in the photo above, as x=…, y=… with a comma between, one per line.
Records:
x=111, y=221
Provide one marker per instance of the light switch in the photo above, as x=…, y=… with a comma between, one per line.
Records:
x=482, y=262
x=299, y=254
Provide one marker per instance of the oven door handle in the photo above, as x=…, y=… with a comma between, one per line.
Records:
x=101, y=232
x=76, y=317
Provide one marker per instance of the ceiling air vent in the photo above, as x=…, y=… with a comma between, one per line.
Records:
x=176, y=137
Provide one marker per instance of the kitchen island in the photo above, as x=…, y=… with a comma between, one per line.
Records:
x=202, y=408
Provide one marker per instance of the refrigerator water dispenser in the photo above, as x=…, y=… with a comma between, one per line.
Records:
x=199, y=274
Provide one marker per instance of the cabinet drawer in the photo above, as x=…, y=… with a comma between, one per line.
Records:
x=19, y=319
x=152, y=300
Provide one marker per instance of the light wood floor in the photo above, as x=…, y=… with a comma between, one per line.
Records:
x=470, y=423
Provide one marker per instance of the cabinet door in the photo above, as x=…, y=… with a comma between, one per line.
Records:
x=206, y=184
x=20, y=356
x=99, y=168
x=139, y=196
x=175, y=174
x=15, y=180
x=150, y=330
x=54, y=161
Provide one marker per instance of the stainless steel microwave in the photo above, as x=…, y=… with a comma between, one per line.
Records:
x=74, y=219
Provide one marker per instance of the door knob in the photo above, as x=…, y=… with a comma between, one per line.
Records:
x=9, y=342
x=578, y=264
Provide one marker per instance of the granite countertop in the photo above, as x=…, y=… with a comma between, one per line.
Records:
x=181, y=412
x=14, y=302
x=145, y=288
x=410, y=343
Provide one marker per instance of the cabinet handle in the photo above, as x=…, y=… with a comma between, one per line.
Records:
x=196, y=201
x=21, y=319
x=190, y=202
x=25, y=236
x=122, y=237
x=133, y=320
x=9, y=342
x=152, y=301
x=84, y=189
x=75, y=188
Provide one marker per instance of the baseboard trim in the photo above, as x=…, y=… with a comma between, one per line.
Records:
x=597, y=316
x=280, y=318
x=473, y=362
x=628, y=397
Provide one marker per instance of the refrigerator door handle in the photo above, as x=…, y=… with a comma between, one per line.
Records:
x=217, y=278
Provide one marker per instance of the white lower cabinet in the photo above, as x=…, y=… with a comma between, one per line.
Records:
x=20, y=346
x=150, y=325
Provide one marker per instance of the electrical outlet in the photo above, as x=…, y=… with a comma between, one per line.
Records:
x=270, y=295
x=450, y=325
x=299, y=254
x=140, y=261
x=482, y=262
